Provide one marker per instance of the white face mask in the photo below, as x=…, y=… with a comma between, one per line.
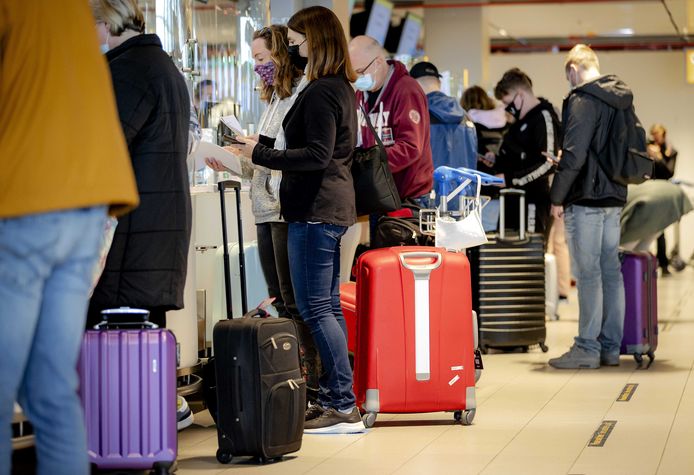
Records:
x=365, y=82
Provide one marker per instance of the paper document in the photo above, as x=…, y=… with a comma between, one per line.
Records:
x=233, y=123
x=209, y=150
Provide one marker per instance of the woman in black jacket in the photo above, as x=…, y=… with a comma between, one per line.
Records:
x=146, y=266
x=317, y=199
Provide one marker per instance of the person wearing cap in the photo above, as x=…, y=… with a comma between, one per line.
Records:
x=453, y=135
x=398, y=110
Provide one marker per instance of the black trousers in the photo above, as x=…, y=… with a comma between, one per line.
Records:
x=274, y=260
x=663, y=260
x=272, y=249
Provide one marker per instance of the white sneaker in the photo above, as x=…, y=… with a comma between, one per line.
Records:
x=184, y=416
x=333, y=421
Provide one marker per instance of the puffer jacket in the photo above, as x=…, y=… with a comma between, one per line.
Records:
x=146, y=266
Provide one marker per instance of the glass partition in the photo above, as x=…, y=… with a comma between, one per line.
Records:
x=210, y=40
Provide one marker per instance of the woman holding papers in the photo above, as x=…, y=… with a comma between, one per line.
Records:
x=280, y=83
x=317, y=199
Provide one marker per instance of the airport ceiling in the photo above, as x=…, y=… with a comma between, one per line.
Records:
x=528, y=25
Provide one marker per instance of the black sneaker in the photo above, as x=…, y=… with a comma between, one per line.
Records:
x=333, y=421
x=313, y=411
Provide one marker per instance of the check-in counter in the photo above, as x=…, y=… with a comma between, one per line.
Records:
x=203, y=298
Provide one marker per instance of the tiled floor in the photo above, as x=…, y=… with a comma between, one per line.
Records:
x=530, y=419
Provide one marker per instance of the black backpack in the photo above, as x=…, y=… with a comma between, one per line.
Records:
x=627, y=161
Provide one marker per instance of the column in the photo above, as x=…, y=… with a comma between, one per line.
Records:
x=456, y=38
x=282, y=10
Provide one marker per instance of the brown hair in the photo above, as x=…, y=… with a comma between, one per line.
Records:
x=476, y=98
x=119, y=15
x=275, y=37
x=581, y=56
x=327, y=45
x=512, y=79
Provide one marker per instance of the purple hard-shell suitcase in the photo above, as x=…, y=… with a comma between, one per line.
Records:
x=639, y=270
x=128, y=390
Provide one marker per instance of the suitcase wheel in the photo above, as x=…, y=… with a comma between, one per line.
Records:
x=543, y=347
x=163, y=468
x=638, y=357
x=464, y=417
x=223, y=456
x=651, y=357
x=369, y=419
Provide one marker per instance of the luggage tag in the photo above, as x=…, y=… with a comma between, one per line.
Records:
x=478, y=360
x=265, y=303
x=260, y=311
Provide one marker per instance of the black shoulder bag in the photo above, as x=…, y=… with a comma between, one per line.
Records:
x=374, y=187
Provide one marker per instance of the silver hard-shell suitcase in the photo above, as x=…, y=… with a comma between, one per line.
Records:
x=509, y=285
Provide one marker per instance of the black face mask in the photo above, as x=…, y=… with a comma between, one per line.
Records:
x=511, y=108
x=296, y=59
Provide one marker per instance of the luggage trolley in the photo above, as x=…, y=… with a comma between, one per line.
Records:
x=450, y=183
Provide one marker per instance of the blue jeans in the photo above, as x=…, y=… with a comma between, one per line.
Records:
x=314, y=259
x=46, y=265
x=593, y=238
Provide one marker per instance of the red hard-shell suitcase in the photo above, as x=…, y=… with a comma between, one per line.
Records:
x=128, y=390
x=640, y=272
x=415, y=347
x=348, y=301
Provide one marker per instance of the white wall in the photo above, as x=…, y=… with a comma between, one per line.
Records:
x=660, y=91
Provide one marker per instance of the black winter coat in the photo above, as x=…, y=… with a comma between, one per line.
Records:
x=587, y=114
x=146, y=266
x=320, y=131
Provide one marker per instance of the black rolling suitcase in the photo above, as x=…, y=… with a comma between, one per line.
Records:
x=261, y=394
x=509, y=285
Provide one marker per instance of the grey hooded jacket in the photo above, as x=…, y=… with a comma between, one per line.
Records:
x=264, y=198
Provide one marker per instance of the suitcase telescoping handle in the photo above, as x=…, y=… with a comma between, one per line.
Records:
x=502, y=213
x=125, y=317
x=236, y=186
x=423, y=269
x=421, y=273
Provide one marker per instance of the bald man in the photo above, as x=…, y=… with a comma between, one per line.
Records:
x=398, y=110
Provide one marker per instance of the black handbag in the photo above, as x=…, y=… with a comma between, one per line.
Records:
x=393, y=231
x=374, y=187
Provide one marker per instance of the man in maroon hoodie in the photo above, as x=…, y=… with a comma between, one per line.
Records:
x=398, y=111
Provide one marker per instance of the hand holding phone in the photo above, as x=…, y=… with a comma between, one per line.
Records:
x=551, y=157
x=232, y=140
x=488, y=159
